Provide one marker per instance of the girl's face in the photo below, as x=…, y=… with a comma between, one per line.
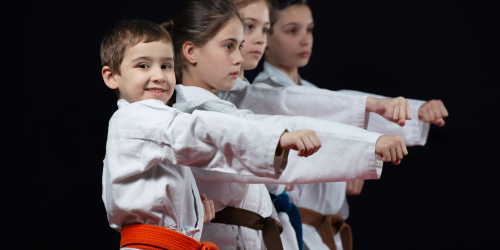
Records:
x=219, y=60
x=256, y=18
x=291, y=40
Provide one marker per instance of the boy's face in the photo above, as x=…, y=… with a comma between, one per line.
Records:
x=147, y=72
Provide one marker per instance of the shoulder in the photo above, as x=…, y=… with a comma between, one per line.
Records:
x=307, y=83
x=142, y=115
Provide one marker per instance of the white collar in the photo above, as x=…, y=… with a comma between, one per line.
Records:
x=192, y=93
x=122, y=103
x=278, y=77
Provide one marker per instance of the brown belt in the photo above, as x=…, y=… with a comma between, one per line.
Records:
x=328, y=226
x=271, y=228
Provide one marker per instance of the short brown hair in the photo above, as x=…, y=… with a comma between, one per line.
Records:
x=127, y=34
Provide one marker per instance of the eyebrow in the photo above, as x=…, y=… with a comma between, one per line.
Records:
x=232, y=40
x=167, y=58
x=255, y=20
x=294, y=23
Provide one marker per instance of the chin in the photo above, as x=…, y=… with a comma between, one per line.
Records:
x=302, y=62
x=227, y=86
x=250, y=64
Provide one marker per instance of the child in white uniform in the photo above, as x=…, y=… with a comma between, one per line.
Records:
x=146, y=190
x=290, y=101
x=211, y=64
x=289, y=47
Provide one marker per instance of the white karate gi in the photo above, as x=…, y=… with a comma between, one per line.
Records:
x=143, y=180
x=413, y=133
x=347, y=152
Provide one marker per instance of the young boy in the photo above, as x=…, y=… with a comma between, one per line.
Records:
x=149, y=196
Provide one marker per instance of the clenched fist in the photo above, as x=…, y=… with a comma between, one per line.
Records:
x=396, y=109
x=305, y=141
x=208, y=209
x=391, y=148
x=433, y=112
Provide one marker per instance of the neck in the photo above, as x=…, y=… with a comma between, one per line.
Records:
x=292, y=72
x=189, y=79
x=242, y=75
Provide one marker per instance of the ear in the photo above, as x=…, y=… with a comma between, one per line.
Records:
x=190, y=52
x=109, y=77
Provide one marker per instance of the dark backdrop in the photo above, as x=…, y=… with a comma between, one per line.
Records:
x=442, y=196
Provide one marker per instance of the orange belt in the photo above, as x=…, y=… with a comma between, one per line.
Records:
x=327, y=226
x=150, y=237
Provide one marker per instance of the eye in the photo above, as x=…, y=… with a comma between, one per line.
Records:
x=265, y=30
x=310, y=30
x=166, y=66
x=229, y=46
x=292, y=31
x=241, y=46
x=143, y=66
x=248, y=26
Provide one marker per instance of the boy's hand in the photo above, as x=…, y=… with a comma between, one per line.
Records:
x=289, y=187
x=391, y=148
x=208, y=209
x=354, y=187
x=433, y=112
x=396, y=110
x=305, y=141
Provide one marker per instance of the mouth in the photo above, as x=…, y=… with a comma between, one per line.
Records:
x=304, y=54
x=156, y=91
x=256, y=52
x=235, y=74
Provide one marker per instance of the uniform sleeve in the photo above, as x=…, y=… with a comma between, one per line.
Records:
x=299, y=101
x=223, y=143
x=347, y=153
x=414, y=133
x=148, y=133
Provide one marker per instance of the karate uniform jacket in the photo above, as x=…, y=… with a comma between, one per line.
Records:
x=347, y=152
x=149, y=144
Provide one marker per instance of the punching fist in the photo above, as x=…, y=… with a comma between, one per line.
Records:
x=208, y=209
x=433, y=112
x=396, y=110
x=305, y=141
x=391, y=148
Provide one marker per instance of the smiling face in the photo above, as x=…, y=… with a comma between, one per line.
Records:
x=218, y=62
x=146, y=72
x=290, y=43
x=256, y=19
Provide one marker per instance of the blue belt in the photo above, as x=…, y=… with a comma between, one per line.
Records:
x=282, y=204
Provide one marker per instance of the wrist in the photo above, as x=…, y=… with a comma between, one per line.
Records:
x=279, y=149
x=370, y=104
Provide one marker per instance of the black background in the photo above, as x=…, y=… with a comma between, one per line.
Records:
x=443, y=196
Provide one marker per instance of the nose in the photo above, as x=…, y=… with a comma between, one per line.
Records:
x=157, y=75
x=238, y=60
x=260, y=39
x=306, y=39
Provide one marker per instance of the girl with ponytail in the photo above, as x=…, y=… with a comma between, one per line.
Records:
x=207, y=37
